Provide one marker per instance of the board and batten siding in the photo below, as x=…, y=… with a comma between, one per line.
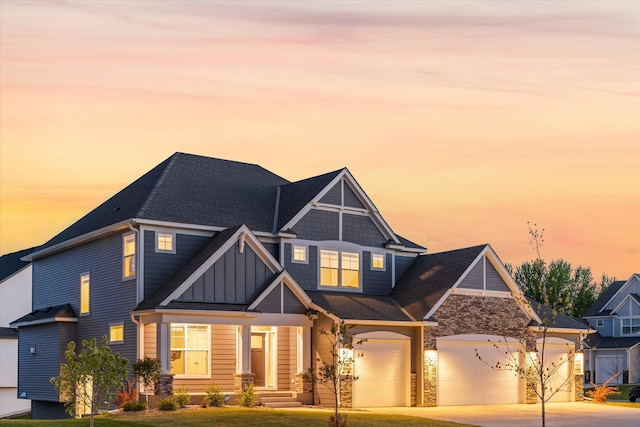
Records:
x=56, y=281
x=159, y=267
x=234, y=278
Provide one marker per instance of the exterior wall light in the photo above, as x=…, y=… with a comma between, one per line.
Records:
x=578, y=363
x=32, y=350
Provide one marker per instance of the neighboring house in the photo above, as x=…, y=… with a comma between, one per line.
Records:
x=615, y=348
x=226, y=272
x=15, y=301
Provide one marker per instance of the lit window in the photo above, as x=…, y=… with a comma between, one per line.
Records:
x=85, y=285
x=339, y=269
x=631, y=326
x=377, y=261
x=116, y=333
x=299, y=253
x=190, y=346
x=129, y=255
x=164, y=242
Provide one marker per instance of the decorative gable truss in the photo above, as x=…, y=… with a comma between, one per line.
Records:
x=486, y=276
x=632, y=286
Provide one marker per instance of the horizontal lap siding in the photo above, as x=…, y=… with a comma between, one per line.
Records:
x=322, y=351
x=286, y=354
x=35, y=370
x=42, y=410
x=475, y=278
x=494, y=280
x=150, y=340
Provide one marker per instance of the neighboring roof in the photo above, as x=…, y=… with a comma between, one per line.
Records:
x=11, y=263
x=557, y=319
x=598, y=341
x=44, y=315
x=603, y=299
x=8, y=333
x=154, y=300
x=358, y=306
x=430, y=276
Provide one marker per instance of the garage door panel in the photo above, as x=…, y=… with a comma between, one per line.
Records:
x=558, y=367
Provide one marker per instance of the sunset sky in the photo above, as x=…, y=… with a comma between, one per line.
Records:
x=462, y=120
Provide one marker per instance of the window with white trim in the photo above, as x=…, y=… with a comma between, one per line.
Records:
x=116, y=333
x=630, y=325
x=85, y=298
x=129, y=256
x=599, y=323
x=339, y=269
x=165, y=242
x=190, y=350
x=299, y=254
x=377, y=261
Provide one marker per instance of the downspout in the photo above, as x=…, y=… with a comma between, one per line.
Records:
x=136, y=322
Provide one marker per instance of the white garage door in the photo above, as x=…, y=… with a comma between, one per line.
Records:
x=382, y=366
x=558, y=367
x=463, y=379
x=608, y=366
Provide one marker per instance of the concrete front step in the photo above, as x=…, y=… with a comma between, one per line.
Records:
x=279, y=402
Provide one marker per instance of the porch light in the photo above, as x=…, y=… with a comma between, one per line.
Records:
x=431, y=355
x=578, y=363
x=346, y=361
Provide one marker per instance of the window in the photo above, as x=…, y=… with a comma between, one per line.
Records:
x=190, y=346
x=116, y=333
x=299, y=254
x=377, y=261
x=129, y=256
x=339, y=269
x=599, y=323
x=164, y=242
x=85, y=285
x=631, y=326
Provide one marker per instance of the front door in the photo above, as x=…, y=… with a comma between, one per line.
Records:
x=258, y=359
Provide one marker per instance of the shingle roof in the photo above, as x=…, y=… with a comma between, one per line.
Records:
x=556, y=319
x=430, y=276
x=603, y=299
x=49, y=313
x=598, y=341
x=11, y=264
x=359, y=306
x=8, y=333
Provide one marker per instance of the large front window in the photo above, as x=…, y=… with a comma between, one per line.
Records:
x=339, y=269
x=190, y=346
x=631, y=326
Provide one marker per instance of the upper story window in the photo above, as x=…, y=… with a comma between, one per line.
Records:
x=165, y=242
x=377, y=261
x=599, y=323
x=631, y=326
x=129, y=255
x=339, y=269
x=300, y=254
x=116, y=333
x=85, y=285
x=190, y=346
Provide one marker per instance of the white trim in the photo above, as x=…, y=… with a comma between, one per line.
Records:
x=306, y=254
x=624, y=300
x=186, y=350
x=135, y=255
x=111, y=325
x=382, y=335
x=561, y=330
x=383, y=322
x=88, y=312
x=481, y=292
x=253, y=242
x=384, y=261
x=283, y=278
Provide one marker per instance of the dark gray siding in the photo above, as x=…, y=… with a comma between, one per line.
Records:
x=273, y=249
x=158, y=267
x=402, y=263
x=56, y=281
x=361, y=230
x=375, y=282
x=350, y=198
x=272, y=303
x=292, y=304
x=494, y=281
x=318, y=225
x=41, y=410
x=333, y=196
x=305, y=274
x=234, y=278
x=35, y=370
x=475, y=278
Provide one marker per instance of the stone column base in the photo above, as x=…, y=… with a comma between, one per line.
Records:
x=302, y=383
x=579, y=387
x=242, y=381
x=164, y=385
x=346, y=391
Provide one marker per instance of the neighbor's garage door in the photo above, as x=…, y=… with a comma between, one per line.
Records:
x=382, y=366
x=608, y=366
x=464, y=379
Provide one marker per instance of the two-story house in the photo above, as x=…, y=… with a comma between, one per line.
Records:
x=615, y=347
x=226, y=272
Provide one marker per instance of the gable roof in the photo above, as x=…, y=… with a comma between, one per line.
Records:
x=11, y=263
x=603, y=299
x=55, y=313
x=556, y=319
x=430, y=276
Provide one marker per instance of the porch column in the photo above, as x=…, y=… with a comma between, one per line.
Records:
x=243, y=376
x=163, y=341
x=302, y=381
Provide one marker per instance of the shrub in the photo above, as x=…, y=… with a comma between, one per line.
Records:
x=134, y=406
x=601, y=393
x=167, y=404
x=181, y=397
x=129, y=393
x=214, y=396
x=342, y=420
x=248, y=397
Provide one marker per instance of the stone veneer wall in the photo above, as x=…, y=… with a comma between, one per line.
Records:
x=469, y=314
x=164, y=385
x=579, y=387
x=242, y=381
x=346, y=391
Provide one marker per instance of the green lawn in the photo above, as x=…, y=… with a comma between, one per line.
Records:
x=240, y=417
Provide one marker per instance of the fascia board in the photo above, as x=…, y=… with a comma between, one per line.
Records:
x=41, y=321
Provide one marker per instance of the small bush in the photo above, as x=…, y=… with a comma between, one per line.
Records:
x=248, y=397
x=129, y=393
x=214, y=396
x=342, y=420
x=134, y=406
x=601, y=393
x=181, y=397
x=167, y=404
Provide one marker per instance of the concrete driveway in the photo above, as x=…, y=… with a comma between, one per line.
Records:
x=574, y=414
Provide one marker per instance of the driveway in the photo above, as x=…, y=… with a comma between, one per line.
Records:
x=574, y=414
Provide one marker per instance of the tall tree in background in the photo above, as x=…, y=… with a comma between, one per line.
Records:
x=557, y=284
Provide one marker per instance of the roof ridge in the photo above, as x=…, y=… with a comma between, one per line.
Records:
x=160, y=180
